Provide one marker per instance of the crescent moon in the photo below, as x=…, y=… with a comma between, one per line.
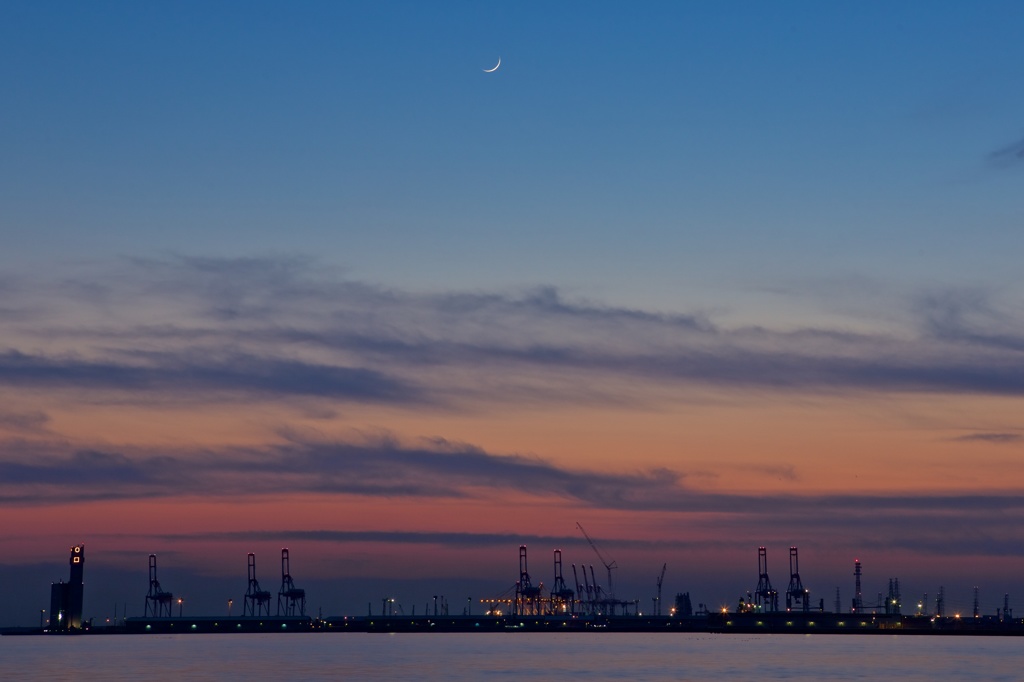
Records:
x=495, y=67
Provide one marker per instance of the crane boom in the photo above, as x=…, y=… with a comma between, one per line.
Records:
x=607, y=565
x=661, y=579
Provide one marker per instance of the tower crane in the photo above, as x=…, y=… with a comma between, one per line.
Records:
x=609, y=565
x=661, y=579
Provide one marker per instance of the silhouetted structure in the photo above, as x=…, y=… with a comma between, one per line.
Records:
x=561, y=596
x=766, y=598
x=683, y=606
x=608, y=565
x=894, y=600
x=796, y=593
x=584, y=603
x=590, y=585
x=158, y=602
x=527, y=600
x=858, y=598
x=291, y=598
x=657, y=600
x=257, y=601
x=66, y=597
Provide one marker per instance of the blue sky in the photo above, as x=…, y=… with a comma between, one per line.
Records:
x=646, y=155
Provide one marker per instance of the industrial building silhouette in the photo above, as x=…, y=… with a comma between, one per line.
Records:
x=66, y=597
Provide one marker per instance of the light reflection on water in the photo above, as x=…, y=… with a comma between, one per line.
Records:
x=519, y=656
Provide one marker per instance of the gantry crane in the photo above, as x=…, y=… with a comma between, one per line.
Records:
x=291, y=601
x=161, y=601
x=579, y=588
x=257, y=601
x=561, y=596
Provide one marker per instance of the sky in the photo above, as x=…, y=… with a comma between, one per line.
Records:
x=700, y=277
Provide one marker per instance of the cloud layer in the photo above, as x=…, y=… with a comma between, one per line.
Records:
x=385, y=468
x=262, y=329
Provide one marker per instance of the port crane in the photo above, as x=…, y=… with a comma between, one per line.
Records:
x=291, y=598
x=161, y=601
x=257, y=601
x=608, y=565
x=579, y=588
x=661, y=579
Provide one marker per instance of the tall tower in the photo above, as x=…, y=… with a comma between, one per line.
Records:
x=76, y=586
x=66, y=597
x=858, y=599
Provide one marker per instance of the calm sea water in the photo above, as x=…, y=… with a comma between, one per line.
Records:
x=511, y=656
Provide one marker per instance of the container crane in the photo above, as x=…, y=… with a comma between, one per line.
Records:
x=582, y=593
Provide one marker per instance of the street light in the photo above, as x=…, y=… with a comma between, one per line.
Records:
x=230, y=602
x=180, y=607
x=42, y=613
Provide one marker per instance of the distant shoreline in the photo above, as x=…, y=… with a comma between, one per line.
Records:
x=716, y=623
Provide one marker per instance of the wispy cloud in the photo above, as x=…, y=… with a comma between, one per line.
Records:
x=195, y=372
x=986, y=529
x=263, y=327
x=931, y=528
x=451, y=539
x=969, y=317
x=24, y=422
x=785, y=472
x=382, y=466
x=1010, y=155
x=996, y=438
